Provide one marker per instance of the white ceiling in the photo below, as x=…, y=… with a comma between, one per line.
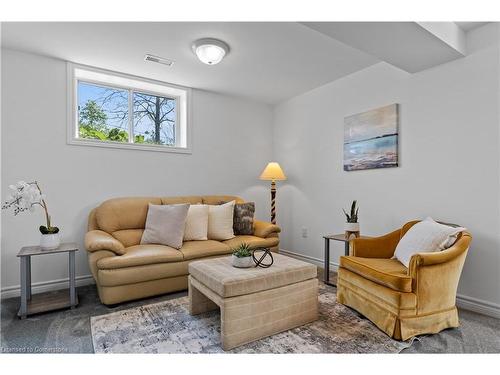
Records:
x=268, y=61
x=467, y=26
x=408, y=45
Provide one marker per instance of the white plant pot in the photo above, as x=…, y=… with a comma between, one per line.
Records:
x=50, y=241
x=245, y=262
x=351, y=227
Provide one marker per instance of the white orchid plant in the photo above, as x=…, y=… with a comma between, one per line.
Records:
x=25, y=196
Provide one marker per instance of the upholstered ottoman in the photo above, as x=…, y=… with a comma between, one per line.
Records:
x=254, y=302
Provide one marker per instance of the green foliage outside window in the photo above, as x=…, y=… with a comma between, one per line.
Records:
x=92, y=125
x=106, y=114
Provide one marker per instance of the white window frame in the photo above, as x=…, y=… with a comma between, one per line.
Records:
x=106, y=78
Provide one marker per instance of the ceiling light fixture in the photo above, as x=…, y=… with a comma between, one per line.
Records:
x=210, y=51
x=159, y=60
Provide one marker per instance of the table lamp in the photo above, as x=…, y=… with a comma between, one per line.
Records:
x=273, y=173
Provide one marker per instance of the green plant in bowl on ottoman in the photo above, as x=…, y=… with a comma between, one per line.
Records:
x=242, y=256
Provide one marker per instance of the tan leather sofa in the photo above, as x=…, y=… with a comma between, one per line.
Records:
x=125, y=270
x=402, y=302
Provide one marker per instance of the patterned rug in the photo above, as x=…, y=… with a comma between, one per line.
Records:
x=167, y=327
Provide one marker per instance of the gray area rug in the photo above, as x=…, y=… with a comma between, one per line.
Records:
x=167, y=327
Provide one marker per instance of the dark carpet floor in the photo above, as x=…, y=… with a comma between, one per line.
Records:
x=68, y=331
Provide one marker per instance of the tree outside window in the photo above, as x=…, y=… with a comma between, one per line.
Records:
x=103, y=114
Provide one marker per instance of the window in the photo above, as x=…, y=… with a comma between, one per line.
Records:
x=114, y=110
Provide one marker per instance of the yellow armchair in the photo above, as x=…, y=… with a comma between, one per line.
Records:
x=402, y=302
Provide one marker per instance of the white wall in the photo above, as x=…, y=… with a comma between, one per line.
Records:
x=449, y=154
x=231, y=145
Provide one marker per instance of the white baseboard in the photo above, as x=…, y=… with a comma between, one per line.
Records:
x=464, y=302
x=306, y=258
x=46, y=286
x=478, y=305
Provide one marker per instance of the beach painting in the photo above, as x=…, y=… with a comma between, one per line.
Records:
x=371, y=139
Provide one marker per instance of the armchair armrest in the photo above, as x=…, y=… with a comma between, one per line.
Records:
x=99, y=240
x=376, y=247
x=263, y=229
x=445, y=256
x=435, y=276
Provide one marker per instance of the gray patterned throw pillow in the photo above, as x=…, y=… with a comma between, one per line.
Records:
x=243, y=218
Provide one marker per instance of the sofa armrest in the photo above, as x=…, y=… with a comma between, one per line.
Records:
x=99, y=240
x=376, y=247
x=96, y=256
x=263, y=229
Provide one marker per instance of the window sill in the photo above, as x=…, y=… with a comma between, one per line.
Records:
x=129, y=146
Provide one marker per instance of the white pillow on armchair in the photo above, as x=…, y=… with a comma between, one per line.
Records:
x=427, y=236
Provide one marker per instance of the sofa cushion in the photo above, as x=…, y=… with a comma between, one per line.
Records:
x=243, y=218
x=196, y=223
x=141, y=255
x=128, y=237
x=124, y=213
x=220, y=221
x=165, y=224
x=387, y=272
x=139, y=274
x=253, y=241
x=201, y=249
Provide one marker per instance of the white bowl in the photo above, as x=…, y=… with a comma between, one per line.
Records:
x=245, y=262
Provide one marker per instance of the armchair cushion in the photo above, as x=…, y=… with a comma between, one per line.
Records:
x=427, y=236
x=429, y=259
x=199, y=249
x=141, y=255
x=99, y=240
x=388, y=272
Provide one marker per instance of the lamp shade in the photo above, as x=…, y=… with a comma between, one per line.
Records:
x=273, y=171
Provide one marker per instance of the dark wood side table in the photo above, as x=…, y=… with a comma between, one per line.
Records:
x=334, y=237
x=53, y=301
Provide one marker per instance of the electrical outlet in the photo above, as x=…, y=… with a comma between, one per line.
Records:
x=304, y=232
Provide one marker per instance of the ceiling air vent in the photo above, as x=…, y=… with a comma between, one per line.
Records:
x=159, y=60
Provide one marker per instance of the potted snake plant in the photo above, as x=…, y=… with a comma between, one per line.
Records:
x=351, y=226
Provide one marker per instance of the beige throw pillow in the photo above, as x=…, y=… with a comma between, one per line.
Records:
x=165, y=224
x=196, y=223
x=426, y=236
x=220, y=221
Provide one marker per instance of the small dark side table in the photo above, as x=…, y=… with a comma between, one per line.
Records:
x=46, y=301
x=334, y=237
